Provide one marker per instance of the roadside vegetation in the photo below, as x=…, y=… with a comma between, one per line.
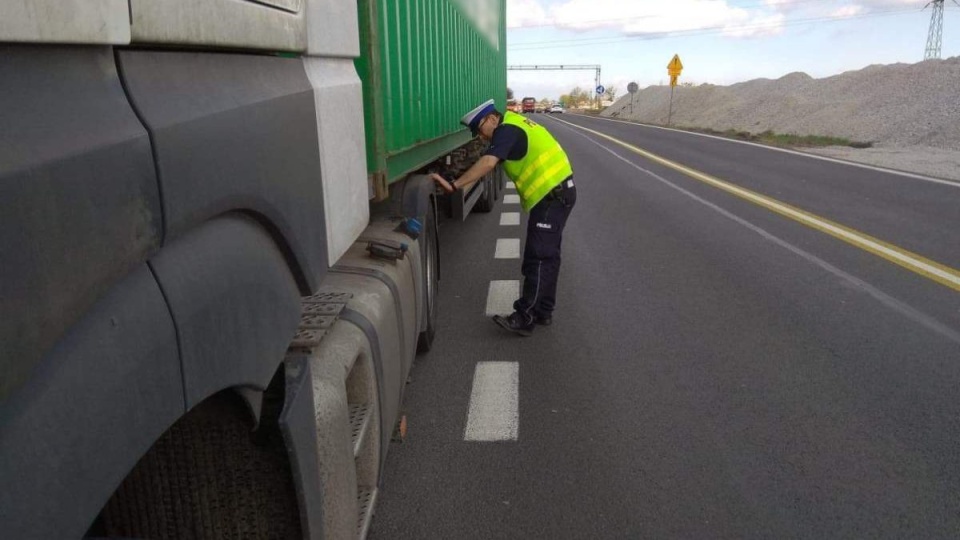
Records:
x=786, y=140
x=783, y=140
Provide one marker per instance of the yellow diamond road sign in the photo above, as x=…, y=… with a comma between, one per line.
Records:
x=675, y=66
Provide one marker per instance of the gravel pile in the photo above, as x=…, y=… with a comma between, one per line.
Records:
x=896, y=105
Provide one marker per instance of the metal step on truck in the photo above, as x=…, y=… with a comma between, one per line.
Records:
x=219, y=253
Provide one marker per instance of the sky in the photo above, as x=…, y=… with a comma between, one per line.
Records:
x=719, y=41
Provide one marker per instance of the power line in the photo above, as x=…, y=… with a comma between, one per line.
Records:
x=552, y=44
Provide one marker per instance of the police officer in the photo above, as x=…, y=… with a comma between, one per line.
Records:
x=539, y=167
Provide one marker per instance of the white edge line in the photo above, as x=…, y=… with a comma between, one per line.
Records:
x=851, y=236
x=494, y=403
x=916, y=176
x=901, y=307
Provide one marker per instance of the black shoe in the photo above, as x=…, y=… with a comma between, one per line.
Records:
x=543, y=320
x=515, y=323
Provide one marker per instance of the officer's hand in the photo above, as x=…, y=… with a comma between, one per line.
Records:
x=443, y=182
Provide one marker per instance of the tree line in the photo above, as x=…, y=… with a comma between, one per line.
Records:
x=576, y=98
x=580, y=98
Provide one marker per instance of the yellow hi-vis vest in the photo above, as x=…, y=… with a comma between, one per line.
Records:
x=544, y=166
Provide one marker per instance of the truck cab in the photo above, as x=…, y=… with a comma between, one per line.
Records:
x=220, y=256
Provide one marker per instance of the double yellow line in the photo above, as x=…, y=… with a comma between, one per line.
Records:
x=944, y=275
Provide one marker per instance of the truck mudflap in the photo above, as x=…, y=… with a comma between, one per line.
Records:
x=345, y=374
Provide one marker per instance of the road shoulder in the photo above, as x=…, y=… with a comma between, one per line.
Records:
x=925, y=160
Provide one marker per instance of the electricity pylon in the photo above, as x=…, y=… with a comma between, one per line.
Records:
x=935, y=36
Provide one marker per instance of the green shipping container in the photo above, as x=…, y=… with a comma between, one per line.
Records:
x=423, y=64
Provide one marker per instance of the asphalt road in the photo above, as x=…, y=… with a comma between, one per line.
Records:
x=715, y=368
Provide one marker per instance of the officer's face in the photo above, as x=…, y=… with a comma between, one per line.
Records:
x=486, y=127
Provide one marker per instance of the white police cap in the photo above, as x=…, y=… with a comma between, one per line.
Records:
x=472, y=119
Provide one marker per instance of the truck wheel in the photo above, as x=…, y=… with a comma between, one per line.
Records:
x=487, y=200
x=431, y=278
x=209, y=476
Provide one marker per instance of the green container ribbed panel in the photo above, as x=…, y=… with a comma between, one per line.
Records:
x=423, y=64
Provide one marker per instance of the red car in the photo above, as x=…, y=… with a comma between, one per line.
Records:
x=529, y=104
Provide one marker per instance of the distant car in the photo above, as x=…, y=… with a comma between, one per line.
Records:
x=556, y=109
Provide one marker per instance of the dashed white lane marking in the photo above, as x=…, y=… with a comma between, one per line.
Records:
x=494, y=403
x=500, y=296
x=510, y=218
x=508, y=248
x=511, y=186
x=511, y=199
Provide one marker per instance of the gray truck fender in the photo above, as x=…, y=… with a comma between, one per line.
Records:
x=61, y=461
x=79, y=201
x=234, y=132
x=235, y=304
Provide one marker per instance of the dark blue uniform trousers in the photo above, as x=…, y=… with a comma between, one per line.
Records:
x=541, y=256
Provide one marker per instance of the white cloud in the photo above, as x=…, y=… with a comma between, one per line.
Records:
x=841, y=9
x=847, y=8
x=657, y=17
x=836, y=5
x=847, y=11
x=522, y=13
x=646, y=17
x=762, y=26
x=883, y=4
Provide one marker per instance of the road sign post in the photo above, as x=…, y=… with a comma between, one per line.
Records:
x=673, y=69
x=632, y=88
x=670, y=114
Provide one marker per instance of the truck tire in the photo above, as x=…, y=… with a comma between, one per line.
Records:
x=431, y=278
x=209, y=476
x=488, y=199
